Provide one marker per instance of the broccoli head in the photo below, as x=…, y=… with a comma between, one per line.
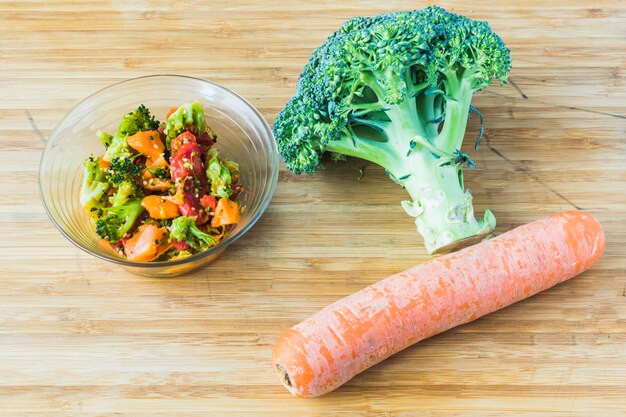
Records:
x=396, y=90
x=184, y=229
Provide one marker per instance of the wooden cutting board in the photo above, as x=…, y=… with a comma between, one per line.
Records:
x=80, y=337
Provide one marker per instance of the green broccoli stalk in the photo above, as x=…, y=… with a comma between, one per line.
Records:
x=184, y=229
x=395, y=89
x=118, y=219
x=94, y=186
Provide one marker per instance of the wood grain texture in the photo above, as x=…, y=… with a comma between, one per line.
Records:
x=79, y=337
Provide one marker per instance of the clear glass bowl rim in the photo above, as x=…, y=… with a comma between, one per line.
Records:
x=216, y=249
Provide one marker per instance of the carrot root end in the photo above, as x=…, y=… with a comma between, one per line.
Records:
x=284, y=378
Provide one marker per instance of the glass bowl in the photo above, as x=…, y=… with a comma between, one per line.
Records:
x=242, y=135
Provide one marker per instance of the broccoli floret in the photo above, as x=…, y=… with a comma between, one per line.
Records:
x=94, y=186
x=118, y=148
x=118, y=219
x=220, y=173
x=125, y=191
x=190, y=114
x=104, y=138
x=138, y=120
x=123, y=170
x=185, y=229
x=395, y=89
x=125, y=207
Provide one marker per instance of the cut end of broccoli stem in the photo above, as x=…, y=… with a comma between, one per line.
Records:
x=443, y=236
x=441, y=206
x=462, y=243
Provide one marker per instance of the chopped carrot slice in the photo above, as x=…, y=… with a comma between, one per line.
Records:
x=157, y=184
x=152, y=183
x=148, y=143
x=160, y=162
x=159, y=207
x=163, y=247
x=169, y=113
x=144, y=245
x=102, y=163
x=177, y=199
x=226, y=212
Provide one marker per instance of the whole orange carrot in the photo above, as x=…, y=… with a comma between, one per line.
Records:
x=356, y=332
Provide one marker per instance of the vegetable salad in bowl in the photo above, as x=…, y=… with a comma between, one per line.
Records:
x=161, y=191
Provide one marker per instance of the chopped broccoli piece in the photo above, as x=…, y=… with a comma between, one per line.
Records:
x=123, y=169
x=395, y=89
x=185, y=229
x=117, y=220
x=220, y=173
x=125, y=191
x=118, y=148
x=104, y=138
x=190, y=114
x=94, y=186
x=138, y=120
